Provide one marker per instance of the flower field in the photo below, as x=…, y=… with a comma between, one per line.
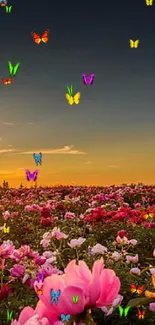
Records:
x=77, y=255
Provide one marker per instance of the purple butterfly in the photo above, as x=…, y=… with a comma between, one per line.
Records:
x=31, y=176
x=40, y=276
x=88, y=80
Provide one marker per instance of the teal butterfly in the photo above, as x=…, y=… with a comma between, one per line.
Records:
x=123, y=311
x=13, y=69
x=75, y=299
x=8, y=9
x=9, y=315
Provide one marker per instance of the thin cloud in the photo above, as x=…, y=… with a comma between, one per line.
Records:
x=7, y=150
x=87, y=162
x=113, y=166
x=64, y=150
x=9, y=123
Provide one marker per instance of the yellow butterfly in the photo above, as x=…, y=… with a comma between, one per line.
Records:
x=149, y=2
x=6, y=230
x=134, y=44
x=73, y=99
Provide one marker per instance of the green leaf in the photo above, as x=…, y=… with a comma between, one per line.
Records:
x=10, y=8
x=138, y=302
x=15, y=68
x=7, y=9
x=10, y=66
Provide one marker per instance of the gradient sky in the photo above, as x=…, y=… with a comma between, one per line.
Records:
x=109, y=137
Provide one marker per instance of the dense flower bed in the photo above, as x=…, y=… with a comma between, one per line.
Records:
x=77, y=255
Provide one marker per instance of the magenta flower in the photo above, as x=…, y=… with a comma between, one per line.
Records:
x=17, y=270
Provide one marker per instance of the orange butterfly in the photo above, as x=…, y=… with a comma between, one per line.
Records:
x=135, y=289
x=39, y=291
x=141, y=314
x=7, y=81
x=43, y=38
x=149, y=214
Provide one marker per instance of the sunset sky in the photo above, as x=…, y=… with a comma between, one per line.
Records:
x=109, y=137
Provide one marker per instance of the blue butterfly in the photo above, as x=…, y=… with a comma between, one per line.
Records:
x=65, y=318
x=38, y=158
x=54, y=296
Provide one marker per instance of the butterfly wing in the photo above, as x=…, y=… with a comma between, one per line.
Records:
x=70, y=99
x=77, y=98
x=68, y=317
x=84, y=79
x=92, y=76
x=10, y=66
x=126, y=310
x=139, y=313
x=63, y=317
x=34, y=175
x=140, y=289
x=7, y=81
x=136, y=43
x=39, y=290
x=45, y=36
x=15, y=69
x=73, y=299
x=28, y=175
x=36, y=38
x=120, y=310
x=131, y=43
x=133, y=288
x=57, y=293
x=77, y=299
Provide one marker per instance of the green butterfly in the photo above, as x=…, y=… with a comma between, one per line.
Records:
x=8, y=9
x=9, y=315
x=123, y=311
x=70, y=90
x=13, y=69
x=75, y=299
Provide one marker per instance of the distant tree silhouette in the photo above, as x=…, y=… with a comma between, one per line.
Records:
x=5, y=185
